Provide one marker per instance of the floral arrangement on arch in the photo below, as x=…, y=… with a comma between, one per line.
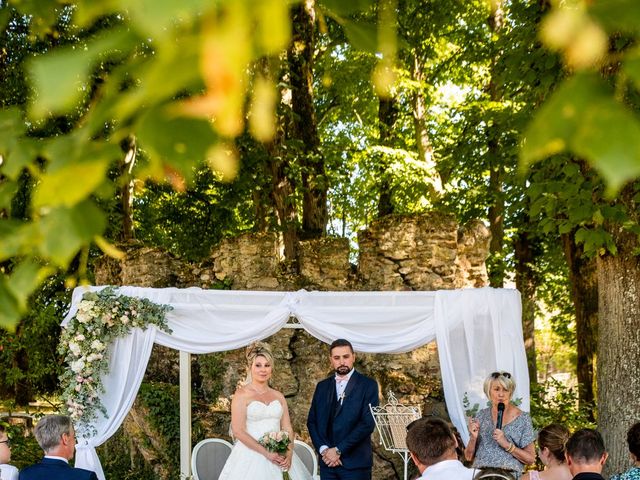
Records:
x=102, y=317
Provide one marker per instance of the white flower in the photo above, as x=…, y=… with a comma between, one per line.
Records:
x=77, y=366
x=85, y=306
x=97, y=345
x=75, y=348
x=93, y=357
x=80, y=338
x=78, y=387
x=124, y=319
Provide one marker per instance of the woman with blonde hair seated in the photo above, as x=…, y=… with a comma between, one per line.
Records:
x=551, y=447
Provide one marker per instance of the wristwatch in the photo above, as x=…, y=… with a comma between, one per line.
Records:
x=338, y=451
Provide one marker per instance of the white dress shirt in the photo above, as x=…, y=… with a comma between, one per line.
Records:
x=448, y=470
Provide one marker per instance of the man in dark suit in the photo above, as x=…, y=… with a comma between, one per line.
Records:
x=340, y=420
x=586, y=455
x=56, y=436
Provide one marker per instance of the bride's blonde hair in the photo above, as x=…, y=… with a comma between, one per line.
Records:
x=257, y=349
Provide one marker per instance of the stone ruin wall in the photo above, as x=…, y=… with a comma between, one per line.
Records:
x=427, y=252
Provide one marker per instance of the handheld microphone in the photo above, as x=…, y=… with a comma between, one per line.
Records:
x=500, y=414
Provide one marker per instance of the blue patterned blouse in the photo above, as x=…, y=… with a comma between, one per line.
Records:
x=631, y=474
x=489, y=453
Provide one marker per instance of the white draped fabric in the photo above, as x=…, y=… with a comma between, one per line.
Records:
x=477, y=332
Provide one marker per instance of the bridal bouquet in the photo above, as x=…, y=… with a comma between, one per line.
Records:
x=277, y=442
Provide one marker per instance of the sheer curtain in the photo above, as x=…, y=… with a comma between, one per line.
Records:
x=477, y=331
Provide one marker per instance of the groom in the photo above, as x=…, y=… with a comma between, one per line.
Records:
x=340, y=421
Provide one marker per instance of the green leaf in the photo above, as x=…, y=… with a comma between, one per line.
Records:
x=18, y=238
x=362, y=35
x=65, y=230
x=11, y=127
x=71, y=184
x=9, y=313
x=631, y=67
x=342, y=8
x=24, y=151
x=583, y=117
x=617, y=15
x=86, y=11
x=159, y=18
x=25, y=278
x=7, y=191
x=180, y=142
x=60, y=78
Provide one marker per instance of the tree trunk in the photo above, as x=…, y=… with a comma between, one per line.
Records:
x=387, y=116
x=619, y=340
x=495, y=212
x=304, y=126
x=130, y=148
x=526, y=283
x=423, y=140
x=283, y=195
x=583, y=277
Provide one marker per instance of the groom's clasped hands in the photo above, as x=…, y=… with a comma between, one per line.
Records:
x=331, y=458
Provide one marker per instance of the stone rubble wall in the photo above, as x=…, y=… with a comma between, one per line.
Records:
x=426, y=252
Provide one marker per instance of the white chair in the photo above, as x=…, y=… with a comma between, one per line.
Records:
x=208, y=458
x=308, y=457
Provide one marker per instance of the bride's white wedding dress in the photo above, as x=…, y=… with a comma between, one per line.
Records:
x=247, y=464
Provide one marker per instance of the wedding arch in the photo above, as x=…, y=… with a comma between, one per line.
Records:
x=477, y=331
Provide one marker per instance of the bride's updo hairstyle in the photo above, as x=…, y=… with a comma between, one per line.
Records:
x=257, y=349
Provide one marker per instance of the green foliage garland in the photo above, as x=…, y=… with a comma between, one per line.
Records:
x=102, y=317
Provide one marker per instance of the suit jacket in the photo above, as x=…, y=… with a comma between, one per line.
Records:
x=53, y=469
x=588, y=476
x=347, y=425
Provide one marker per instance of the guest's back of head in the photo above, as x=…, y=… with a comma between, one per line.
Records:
x=431, y=440
x=633, y=440
x=585, y=446
x=50, y=429
x=554, y=437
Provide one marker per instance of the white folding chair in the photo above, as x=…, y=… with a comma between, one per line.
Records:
x=308, y=457
x=208, y=458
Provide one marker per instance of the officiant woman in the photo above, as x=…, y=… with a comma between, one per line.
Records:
x=510, y=447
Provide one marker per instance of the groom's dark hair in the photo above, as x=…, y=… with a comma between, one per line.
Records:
x=340, y=342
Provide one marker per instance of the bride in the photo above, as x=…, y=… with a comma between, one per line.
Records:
x=257, y=409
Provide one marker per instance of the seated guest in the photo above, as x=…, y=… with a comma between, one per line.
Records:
x=510, y=447
x=633, y=440
x=7, y=472
x=432, y=446
x=56, y=437
x=494, y=474
x=586, y=455
x=551, y=442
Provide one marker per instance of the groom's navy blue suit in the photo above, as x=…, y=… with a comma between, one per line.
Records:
x=347, y=425
x=53, y=469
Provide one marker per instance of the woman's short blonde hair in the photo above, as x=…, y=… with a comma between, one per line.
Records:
x=505, y=379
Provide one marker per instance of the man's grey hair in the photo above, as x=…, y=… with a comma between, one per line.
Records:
x=49, y=430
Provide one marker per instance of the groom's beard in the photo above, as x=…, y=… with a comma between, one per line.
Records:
x=343, y=370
